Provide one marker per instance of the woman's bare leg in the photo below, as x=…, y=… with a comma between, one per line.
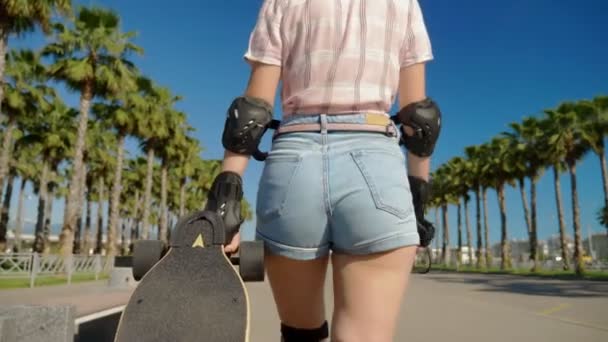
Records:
x=368, y=293
x=297, y=287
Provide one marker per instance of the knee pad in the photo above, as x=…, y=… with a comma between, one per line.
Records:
x=291, y=334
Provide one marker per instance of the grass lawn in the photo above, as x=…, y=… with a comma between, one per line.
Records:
x=557, y=274
x=13, y=283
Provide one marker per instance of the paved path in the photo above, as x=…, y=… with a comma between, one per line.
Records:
x=438, y=307
x=458, y=307
x=88, y=297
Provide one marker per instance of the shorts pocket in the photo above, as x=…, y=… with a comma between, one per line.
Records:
x=275, y=181
x=386, y=176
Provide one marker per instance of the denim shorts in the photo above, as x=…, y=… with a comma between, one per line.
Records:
x=345, y=192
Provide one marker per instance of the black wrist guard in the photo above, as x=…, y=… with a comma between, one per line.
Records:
x=420, y=190
x=420, y=194
x=225, y=199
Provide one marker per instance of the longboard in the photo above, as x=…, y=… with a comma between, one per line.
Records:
x=193, y=293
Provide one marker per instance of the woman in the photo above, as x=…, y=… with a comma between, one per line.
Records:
x=334, y=186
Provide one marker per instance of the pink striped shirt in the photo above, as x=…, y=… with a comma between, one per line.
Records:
x=339, y=56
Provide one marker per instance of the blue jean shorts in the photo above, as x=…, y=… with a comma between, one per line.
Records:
x=345, y=192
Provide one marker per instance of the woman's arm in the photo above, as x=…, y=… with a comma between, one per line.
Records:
x=412, y=88
x=263, y=83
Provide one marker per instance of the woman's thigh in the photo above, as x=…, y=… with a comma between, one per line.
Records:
x=298, y=290
x=292, y=221
x=374, y=236
x=368, y=294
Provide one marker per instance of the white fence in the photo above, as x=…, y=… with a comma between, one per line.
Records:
x=34, y=265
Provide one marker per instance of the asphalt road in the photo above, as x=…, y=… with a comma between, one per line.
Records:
x=465, y=307
x=438, y=307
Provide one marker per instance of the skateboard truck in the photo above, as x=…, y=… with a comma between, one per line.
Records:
x=202, y=229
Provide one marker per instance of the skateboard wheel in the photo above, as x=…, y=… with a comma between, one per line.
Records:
x=251, y=260
x=146, y=253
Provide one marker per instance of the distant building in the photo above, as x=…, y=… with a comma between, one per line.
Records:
x=555, y=247
x=598, y=248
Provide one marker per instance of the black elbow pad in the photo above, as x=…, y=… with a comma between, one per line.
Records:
x=424, y=117
x=247, y=120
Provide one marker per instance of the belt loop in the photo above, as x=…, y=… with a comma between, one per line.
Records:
x=395, y=132
x=323, y=122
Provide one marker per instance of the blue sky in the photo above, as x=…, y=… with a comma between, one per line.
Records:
x=495, y=62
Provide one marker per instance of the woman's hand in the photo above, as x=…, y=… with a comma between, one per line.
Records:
x=233, y=246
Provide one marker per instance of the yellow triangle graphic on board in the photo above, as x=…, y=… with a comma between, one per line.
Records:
x=199, y=242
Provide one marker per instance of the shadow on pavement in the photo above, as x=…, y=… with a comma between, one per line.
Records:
x=527, y=286
x=98, y=330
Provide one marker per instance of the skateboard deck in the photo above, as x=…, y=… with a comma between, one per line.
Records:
x=193, y=293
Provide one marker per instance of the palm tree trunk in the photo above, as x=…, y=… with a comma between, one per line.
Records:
x=135, y=221
x=87, y=227
x=6, y=205
x=488, y=256
x=437, y=256
x=534, y=231
x=469, y=232
x=115, y=198
x=145, y=228
x=560, y=218
x=479, y=233
x=182, y=197
x=47, y=219
x=524, y=200
x=39, y=241
x=505, y=262
x=445, y=249
x=7, y=143
x=19, y=227
x=79, y=220
x=69, y=222
x=99, y=234
x=578, y=243
x=604, y=175
x=4, y=32
x=77, y=236
x=123, y=236
x=458, y=220
x=163, y=203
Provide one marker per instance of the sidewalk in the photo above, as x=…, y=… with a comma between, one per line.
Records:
x=87, y=297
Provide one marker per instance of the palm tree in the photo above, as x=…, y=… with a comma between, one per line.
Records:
x=24, y=97
x=27, y=170
x=134, y=184
x=527, y=141
x=458, y=188
x=169, y=154
x=53, y=132
x=124, y=113
x=602, y=216
x=16, y=18
x=474, y=156
x=499, y=169
x=594, y=121
x=6, y=206
x=8, y=193
x=101, y=161
x=441, y=194
x=552, y=155
x=566, y=140
x=91, y=57
x=152, y=132
x=188, y=163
